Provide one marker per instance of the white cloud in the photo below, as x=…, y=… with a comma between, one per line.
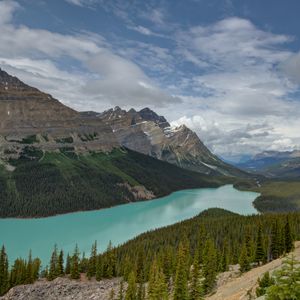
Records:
x=7, y=9
x=82, y=2
x=291, y=67
x=109, y=79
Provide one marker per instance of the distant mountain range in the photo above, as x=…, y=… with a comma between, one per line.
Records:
x=54, y=159
x=274, y=164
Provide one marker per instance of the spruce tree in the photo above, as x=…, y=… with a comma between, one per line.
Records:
x=196, y=287
x=68, y=265
x=29, y=270
x=209, y=265
x=287, y=281
x=131, y=293
x=259, y=252
x=99, y=268
x=4, y=274
x=275, y=241
x=289, y=245
x=243, y=260
x=75, y=264
x=157, y=288
x=92, y=261
x=53, y=265
x=181, y=278
x=263, y=283
x=60, y=263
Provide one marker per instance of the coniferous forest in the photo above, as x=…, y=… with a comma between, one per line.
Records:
x=180, y=261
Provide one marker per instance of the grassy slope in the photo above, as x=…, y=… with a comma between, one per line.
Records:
x=55, y=183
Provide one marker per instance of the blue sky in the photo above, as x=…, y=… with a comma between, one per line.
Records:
x=228, y=69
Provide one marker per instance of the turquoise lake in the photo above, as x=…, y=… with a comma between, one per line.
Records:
x=118, y=224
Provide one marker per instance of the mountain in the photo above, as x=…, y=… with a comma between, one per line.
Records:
x=274, y=164
x=54, y=159
x=146, y=132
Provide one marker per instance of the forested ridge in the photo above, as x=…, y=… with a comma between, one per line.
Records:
x=45, y=184
x=180, y=261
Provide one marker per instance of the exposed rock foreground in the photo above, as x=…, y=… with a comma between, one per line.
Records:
x=64, y=289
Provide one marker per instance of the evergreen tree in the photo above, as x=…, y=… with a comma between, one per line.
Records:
x=92, y=261
x=75, y=264
x=60, y=263
x=287, y=282
x=4, y=274
x=181, y=278
x=99, y=269
x=259, y=252
x=243, y=259
x=29, y=269
x=157, y=288
x=109, y=266
x=209, y=265
x=196, y=289
x=131, y=293
x=263, y=283
x=36, y=265
x=275, y=241
x=53, y=265
x=289, y=244
x=224, y=258
x=68, y=265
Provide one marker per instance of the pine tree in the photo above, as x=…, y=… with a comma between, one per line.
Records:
x=209, y=265
x=275, y=241
x=287, y=281
x=92, y=261
x=36, y=265
x=60, y=263
x=4, y=274
x=243, y=259
x=29, y=270
x=68, y=265
x=75, y=264
x=157, y=287
x=99, y=268
x=259, y=252
x=181, y=278
x=263, y=283
x=196, y=289
x=289, y=245
x=224, y=258
x=53, y=265
x=131, y=293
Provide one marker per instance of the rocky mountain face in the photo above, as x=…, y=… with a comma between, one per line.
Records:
x=274, y=164
x=146, y=132
x=31, y=117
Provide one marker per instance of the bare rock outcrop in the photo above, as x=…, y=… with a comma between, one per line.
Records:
x=64, y=289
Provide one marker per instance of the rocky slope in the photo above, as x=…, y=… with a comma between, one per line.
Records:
x=146, y=132
x=64, y=289
x=244, y=286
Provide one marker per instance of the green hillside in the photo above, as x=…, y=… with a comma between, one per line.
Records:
x=50, y=183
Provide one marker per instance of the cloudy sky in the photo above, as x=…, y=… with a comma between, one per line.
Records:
x=228, y=69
